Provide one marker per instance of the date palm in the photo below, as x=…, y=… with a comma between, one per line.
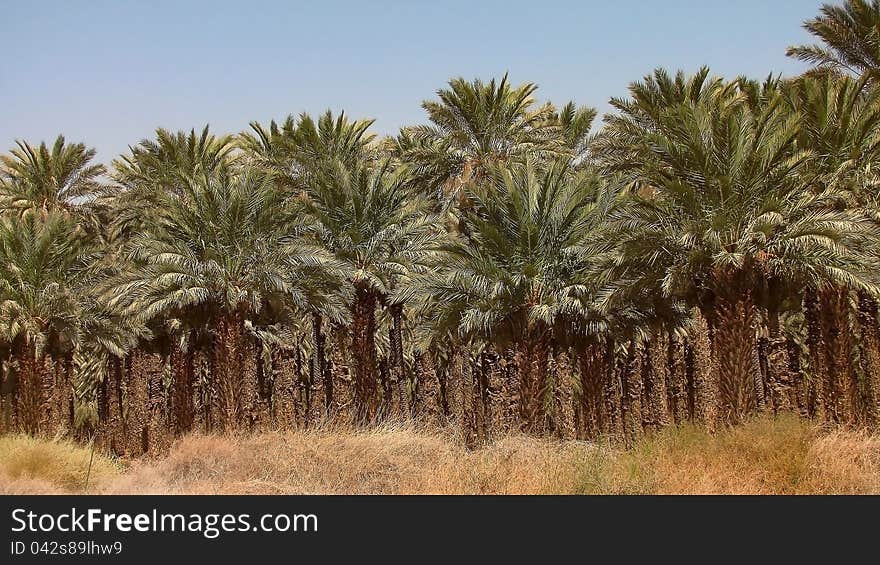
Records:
x=474, y=126
x=518, y=280
x=49, y=178
x=42, y=259
x=154, y=167
x=365, y=216
x=296, y=150
x=851, y=37
x=725, y=210
x=222, y=255
x=839, y=119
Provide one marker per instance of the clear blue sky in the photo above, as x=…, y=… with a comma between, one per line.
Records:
x=110, y=72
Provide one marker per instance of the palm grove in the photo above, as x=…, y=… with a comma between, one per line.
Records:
x=709, y=254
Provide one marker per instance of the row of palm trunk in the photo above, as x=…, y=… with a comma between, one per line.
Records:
x=715, y=370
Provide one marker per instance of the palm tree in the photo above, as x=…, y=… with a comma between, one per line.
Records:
x=173, y=158
x=475, y=126
x=851, y=34
x=839, y=119
x=39, y=177
x=365, y=216
x=297, y=148
x=723, y=211
x=296, y=151
x=158, y=166
x=42, y=259
x=222, y=255
x=519, y=278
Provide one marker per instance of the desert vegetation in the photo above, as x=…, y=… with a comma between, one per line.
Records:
x=707, y=255
x=766, y=455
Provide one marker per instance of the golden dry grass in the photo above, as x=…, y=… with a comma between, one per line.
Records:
x=765, y=456
x=36, y=466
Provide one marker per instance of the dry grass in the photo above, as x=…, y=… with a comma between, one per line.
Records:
x=765, y=456
x=34, y=466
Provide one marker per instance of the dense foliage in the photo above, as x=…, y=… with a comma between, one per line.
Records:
x=710, y=252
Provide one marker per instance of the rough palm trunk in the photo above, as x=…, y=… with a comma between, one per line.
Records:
x=591, y=413
x=870, y=347
x=265, y=377
x=226, y=372
x=613, y=392
x=247, y=359
x=29, y=394
x=137, y=403
x=734, y=346
x=533, y=353
x=507, y=402
x=840, y=389
x=283, y=383
x=633, y=383
x=340, y=369
x=495, y=390
x=203, y=403
x=402, y=404
x=677, y=360
x=59, y=394
x=427, y=403
x=657, y=377
x=366, y=393
x=157, y=436
x=780, y=379
x=563, y=398
x=460, y=396
x=113, y=420
x=319, y=367
x=815, y=344
x=5, y=415
x=183, y=392
x=705, y=373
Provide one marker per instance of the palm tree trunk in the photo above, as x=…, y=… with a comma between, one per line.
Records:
x=396, y=362
x=29, y=391
x=734, y=346
x=705, y=373
x=284, y=384
x=657, y=377
x=182, y=390
x=780, y=379
x=563, y=398
x=460, y=395
x=319, y=369
x=841, y=388
x=494, y=393
x=114, y=423
x=533, y=352
x=226, y=371
x=633, y=383
x=5, y=419
x=427, y=404
x=677, y=362
x=157, y=422
x=340, y=369
x=870, y=347
x=613, y=392
x=59, y=395
x=137, y=403
x=591, y=413
x=247, y=360
x=366, y=394
x=816, y=345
